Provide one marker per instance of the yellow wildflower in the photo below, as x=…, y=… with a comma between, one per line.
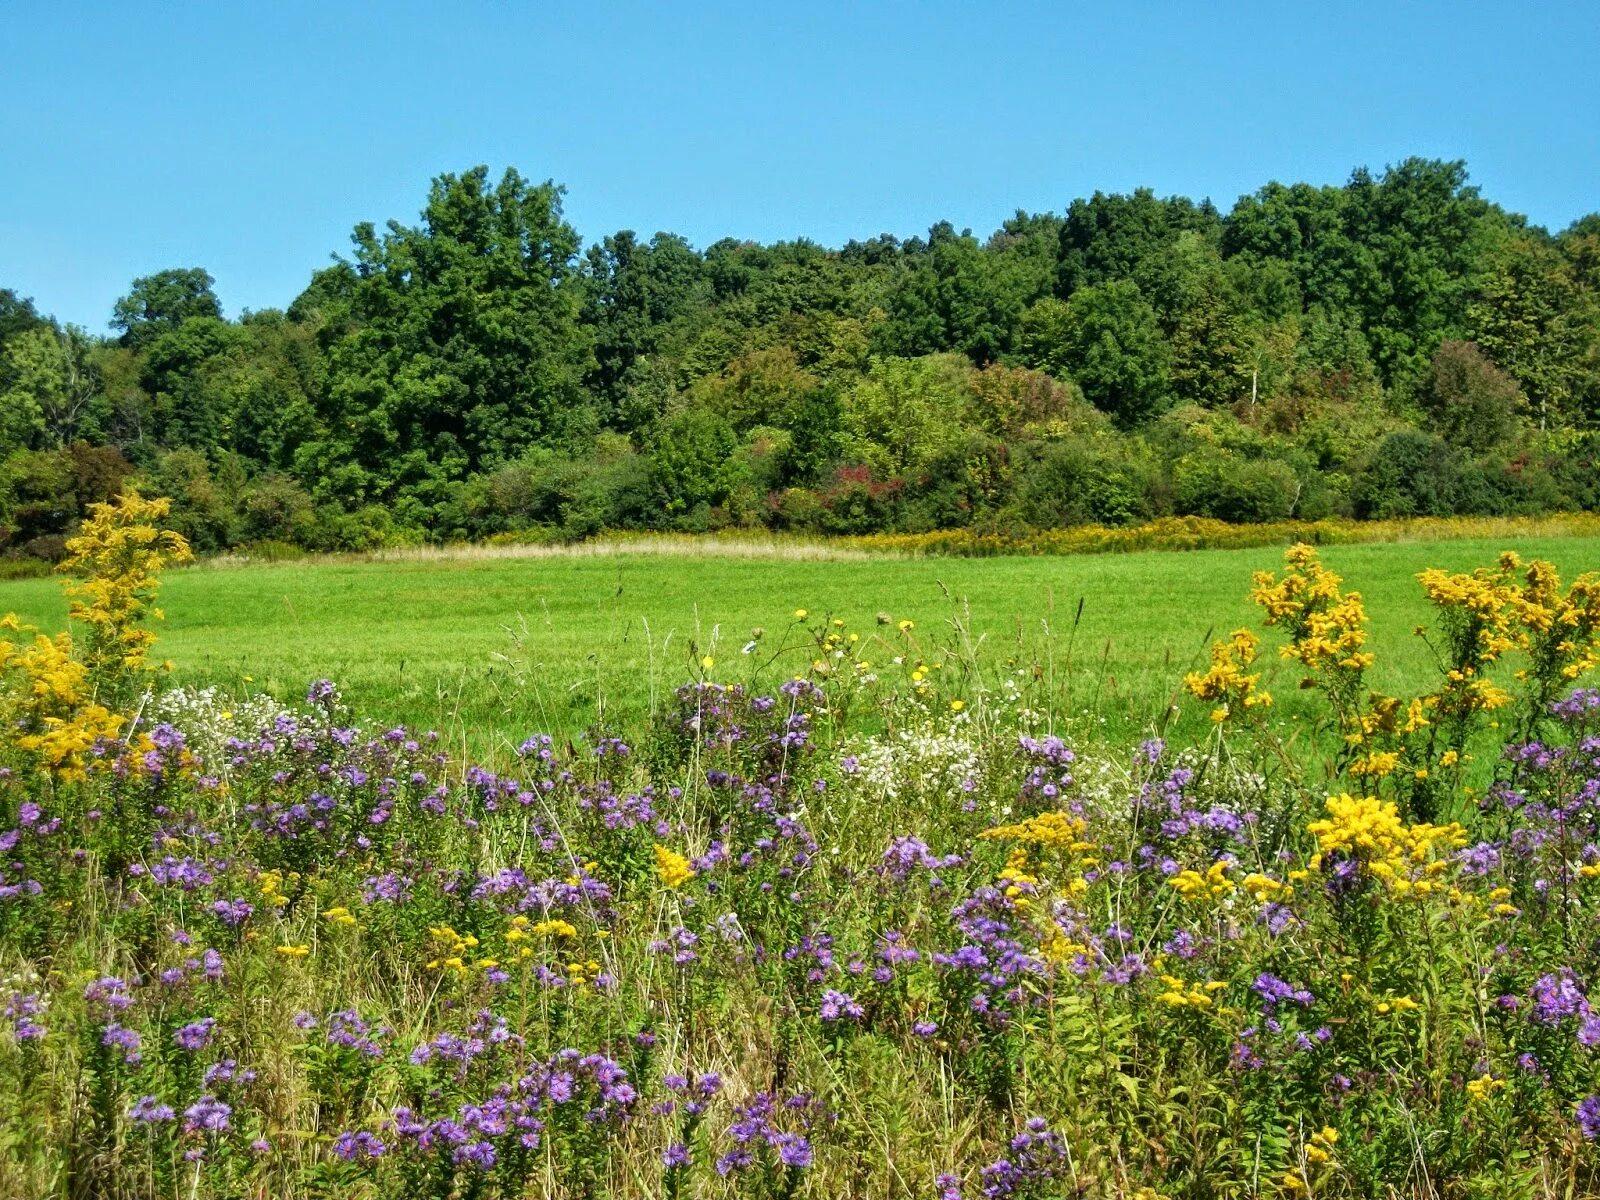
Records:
x=672, y=868
x=1483, y=1087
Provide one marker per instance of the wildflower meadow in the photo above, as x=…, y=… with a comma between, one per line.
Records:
x=870, y=927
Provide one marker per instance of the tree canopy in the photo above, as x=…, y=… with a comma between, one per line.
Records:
x=1396, y=344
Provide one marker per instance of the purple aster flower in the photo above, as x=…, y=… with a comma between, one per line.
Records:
x=354, y=1145
x=147, y=1110
x=675, y=1155
x=126, y=1040
x=1589, y=1117
x=1556, y=997
x=837, y=1004
x=196, y=1035
x=207, y=1114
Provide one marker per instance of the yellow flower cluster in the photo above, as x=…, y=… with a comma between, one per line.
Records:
x=55, y=691
x=1057, y=947
x=1395, y=1005
x=1485, y=598
x=1059, y=837
x=118, y=553
x=1484, y=1087
x=1318, y=1152
x=1181, y=994
x=1213, y=885
x=522, y=930
x=1264, y=887
x=1226, y=683
x=453, y=948
x=1561, y=633
x=1327, y=628
x=45, y=693
x=1018, y=883
x=271, y=883
x=1054, y=829
x=1371, y=832
x=672, y=868
x=340, y=915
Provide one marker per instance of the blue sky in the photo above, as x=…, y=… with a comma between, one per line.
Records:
x=249, y=138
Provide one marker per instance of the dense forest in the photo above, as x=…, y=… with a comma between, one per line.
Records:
x=1395, y=346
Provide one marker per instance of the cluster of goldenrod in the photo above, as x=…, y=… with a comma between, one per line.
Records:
x=1481, y=606
x=341, y=916
x=1213, y=885
x=672, y=868
x=522, y=931
x=118, y=555
x=1371, y=832
x=1395, y=1006
x=53, y=690
x=1483, y=1088
x=453, y=949
x=1227, y=683
x=1054, y=829
x=1317, y=1152
x=1055, y=946
x=1059, y=837
x=1018, y=883
x=1263, y=888
x=1181, y=994
x=1483, y=615
x=1327, y=628
x=45, y=694
x=1560, y=632
x=270, y=884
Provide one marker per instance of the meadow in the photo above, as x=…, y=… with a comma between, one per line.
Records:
x=490, y=647
x=884, y=910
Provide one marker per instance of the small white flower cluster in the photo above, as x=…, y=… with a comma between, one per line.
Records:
x=1011, y=696
x=931, y=761
x=207, y=718
x=1103, y=783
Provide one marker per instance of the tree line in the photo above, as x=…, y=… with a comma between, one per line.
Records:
x=1394, y=346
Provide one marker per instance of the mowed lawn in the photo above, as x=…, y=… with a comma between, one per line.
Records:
x=492, y=649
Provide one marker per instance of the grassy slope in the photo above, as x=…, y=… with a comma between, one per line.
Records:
x=418, y=640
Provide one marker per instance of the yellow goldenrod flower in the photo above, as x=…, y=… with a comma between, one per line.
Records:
x=672, y=868
x=1483, y=1087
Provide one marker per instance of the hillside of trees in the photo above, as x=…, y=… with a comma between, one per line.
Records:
x=1395, y=346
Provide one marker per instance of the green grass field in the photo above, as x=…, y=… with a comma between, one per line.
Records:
x=498, y=647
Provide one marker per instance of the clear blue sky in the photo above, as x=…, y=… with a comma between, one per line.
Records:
x=249, y=138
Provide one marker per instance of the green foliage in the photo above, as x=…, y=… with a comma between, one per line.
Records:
x=1113, y=348
x=465, y=346
x=162, y=302
x=690, y=460
x=1073, y=482
x=480, y=373
x=50, y=391
x=904, y=414
x=1470, y=401
x=1412, y=474
x=1234, y=488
